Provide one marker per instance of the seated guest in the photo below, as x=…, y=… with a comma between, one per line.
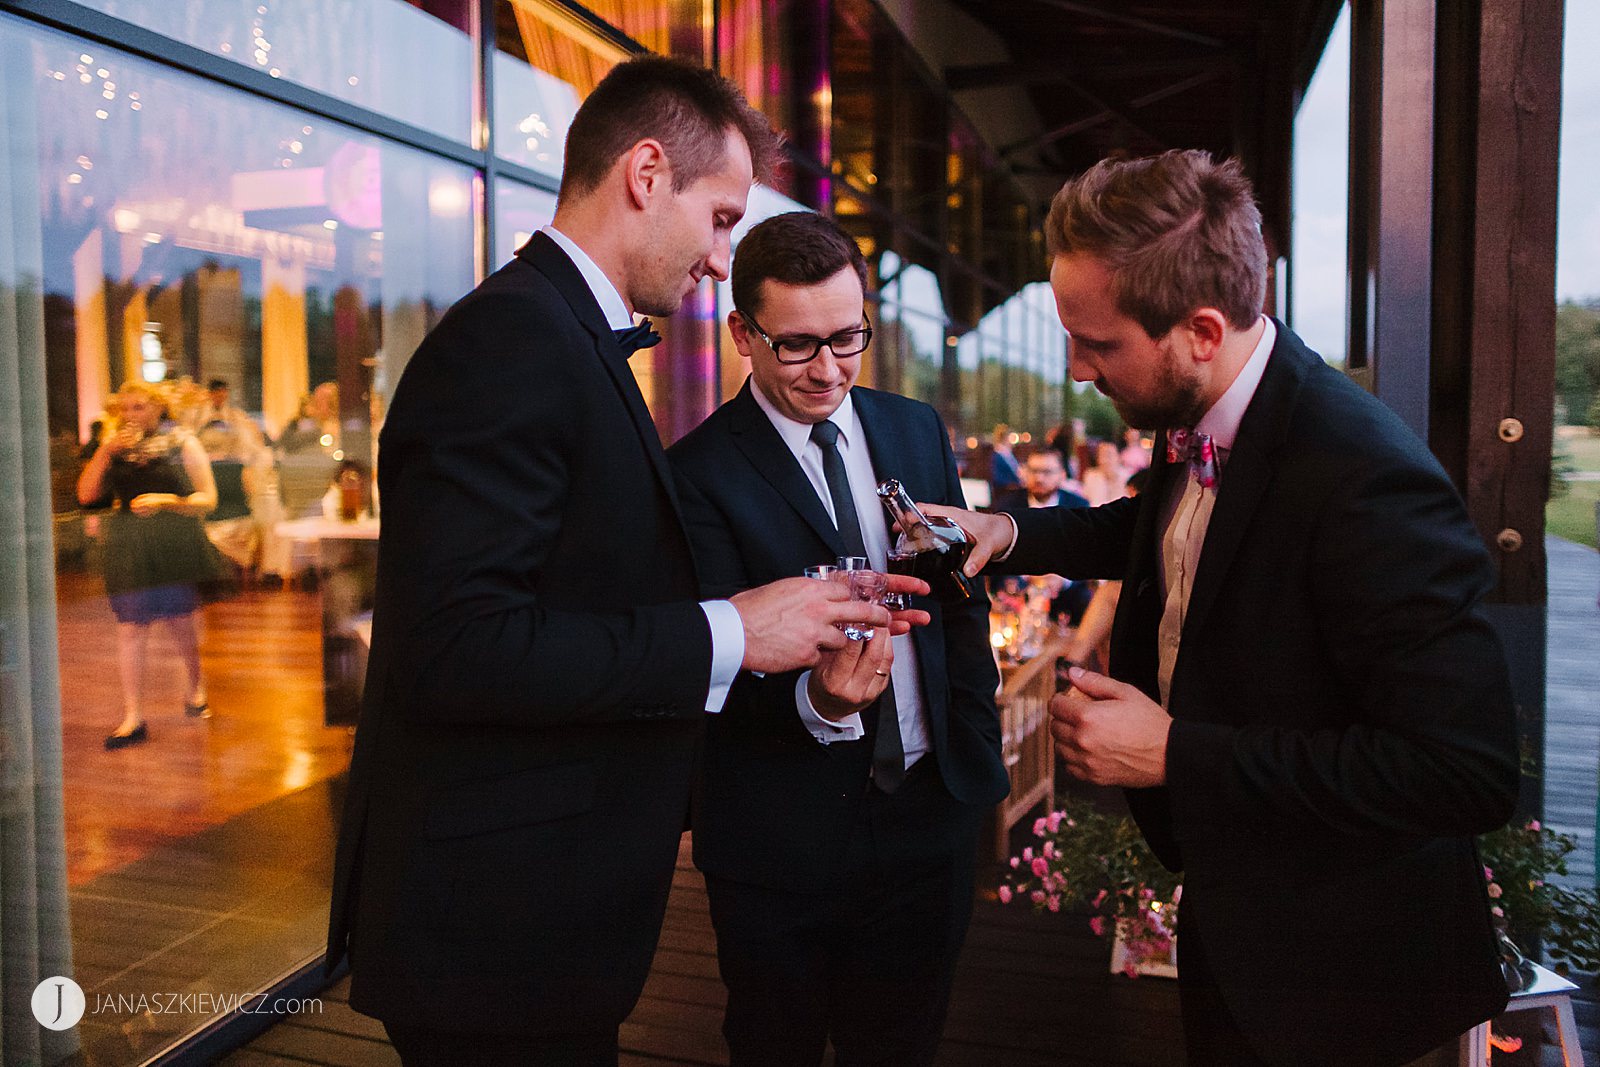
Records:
x=1044, y=477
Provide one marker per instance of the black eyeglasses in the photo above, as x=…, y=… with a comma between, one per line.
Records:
x=802, y=349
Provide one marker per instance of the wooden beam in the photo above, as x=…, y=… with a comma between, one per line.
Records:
x=1391, y=164
x=1512, y=343
x=1105, y=115
x=1160, y=29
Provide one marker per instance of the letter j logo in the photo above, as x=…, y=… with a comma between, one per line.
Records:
x=58, y=1003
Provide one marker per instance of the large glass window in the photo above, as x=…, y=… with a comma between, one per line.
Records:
x=520, y=211
x=367, y=52
x=547, y=59
x=228, y=290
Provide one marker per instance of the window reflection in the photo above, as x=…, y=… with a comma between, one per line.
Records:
x=258, y=277
x=362, y=51
x=520, y=211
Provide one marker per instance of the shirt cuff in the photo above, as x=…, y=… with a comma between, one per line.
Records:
x=848, y=728
x=1000, y=557
x=727, y=650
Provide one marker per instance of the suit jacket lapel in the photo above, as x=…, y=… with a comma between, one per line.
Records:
x=547, y=256
x=758, y=439
x=1244, y=479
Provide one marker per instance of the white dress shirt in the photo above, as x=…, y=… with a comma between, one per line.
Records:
x=727, y=629
x=875, y=535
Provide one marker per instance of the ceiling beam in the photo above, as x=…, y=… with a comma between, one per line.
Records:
x=1101, y=11
x=1106, y=114
x=991, y=75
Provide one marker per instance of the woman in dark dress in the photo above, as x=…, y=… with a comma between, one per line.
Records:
x=156, y=550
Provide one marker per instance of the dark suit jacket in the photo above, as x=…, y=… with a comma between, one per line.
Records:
x=775, y=804
x=537, y=680
x=1343, y=721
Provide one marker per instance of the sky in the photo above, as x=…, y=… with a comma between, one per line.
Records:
x=1321, y=169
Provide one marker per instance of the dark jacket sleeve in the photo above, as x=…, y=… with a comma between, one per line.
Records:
x=1397, y=571
x=1075, y=543
x=969, y=662
x=476, y=487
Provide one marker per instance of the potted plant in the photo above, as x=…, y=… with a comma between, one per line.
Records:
x=1089, y=861
x=1519, y=861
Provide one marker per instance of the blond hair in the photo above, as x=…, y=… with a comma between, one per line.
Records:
x=1177, y=231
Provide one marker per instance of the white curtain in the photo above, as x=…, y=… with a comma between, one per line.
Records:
x=35, y=933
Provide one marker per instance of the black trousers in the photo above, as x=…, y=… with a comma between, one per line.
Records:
x=1212, y=1037
x=438, y=1048
x=868, y=964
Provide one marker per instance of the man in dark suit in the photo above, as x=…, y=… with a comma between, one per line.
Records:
x=838, y=815
x=1044, y=485
x=1307, y=706
x=540, y=667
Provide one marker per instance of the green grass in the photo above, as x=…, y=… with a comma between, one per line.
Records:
x=1572, y=516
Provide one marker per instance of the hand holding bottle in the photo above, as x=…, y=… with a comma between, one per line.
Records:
x=991, y=535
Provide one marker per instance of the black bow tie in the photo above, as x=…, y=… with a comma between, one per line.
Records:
x=636, y=337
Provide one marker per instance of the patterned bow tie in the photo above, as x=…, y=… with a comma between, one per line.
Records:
x=636, y=337
x=1195, y=449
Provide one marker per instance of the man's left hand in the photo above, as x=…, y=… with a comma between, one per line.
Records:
x=1109, y=732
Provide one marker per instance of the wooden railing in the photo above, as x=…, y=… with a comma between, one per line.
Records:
x=1025, y=740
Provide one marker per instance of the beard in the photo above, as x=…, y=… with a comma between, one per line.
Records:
x=1180, y=400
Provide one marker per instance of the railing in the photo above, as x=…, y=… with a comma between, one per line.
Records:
x=1025, y=740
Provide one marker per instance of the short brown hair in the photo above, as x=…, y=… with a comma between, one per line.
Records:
x=796, y=248
x=689, y=109
x=1177, y=231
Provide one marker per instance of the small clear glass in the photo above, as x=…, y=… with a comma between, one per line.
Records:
x=867, y=587
x=823, y=571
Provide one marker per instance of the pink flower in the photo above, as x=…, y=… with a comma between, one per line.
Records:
x=1037, y=896
x=1053, y=820
x=1015, y=863
x=1038, y=826
x=1147, y=893
x=1534, y=825
x=1494, y=891
x=1041, y=867
x=1053, y=902
x=1497, y=912
x=1005, y=894
x=1099, y=898
x=1027, y=855
x=1098, y=925
x=1049, y=850
x=1488, y=875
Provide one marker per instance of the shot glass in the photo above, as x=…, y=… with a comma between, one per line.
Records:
x=869, y=588
x=823, y=572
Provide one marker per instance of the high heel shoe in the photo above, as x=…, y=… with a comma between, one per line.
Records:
x=201, y=710
x=138, y=735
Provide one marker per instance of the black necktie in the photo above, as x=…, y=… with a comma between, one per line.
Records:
x=888, y=751
x=636, y=337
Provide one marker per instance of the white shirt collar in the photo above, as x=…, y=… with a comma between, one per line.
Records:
x=797, y=435
x=1222, y=421
x=605, y=294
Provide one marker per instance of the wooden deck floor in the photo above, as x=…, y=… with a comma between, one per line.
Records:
x=1032, y=990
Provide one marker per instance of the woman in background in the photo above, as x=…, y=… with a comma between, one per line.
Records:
x=156, y=551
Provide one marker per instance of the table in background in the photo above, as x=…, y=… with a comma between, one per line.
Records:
x=347, y=568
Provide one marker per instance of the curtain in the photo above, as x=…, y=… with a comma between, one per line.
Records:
x=35, y=935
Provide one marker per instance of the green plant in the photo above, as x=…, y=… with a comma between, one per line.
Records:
x=1098, y=863
x=1519, y=861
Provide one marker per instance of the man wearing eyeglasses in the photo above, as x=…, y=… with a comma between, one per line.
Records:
x=838, y=812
